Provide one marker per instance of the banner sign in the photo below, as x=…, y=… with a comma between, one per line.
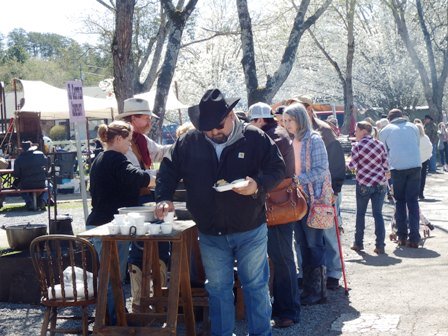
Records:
x=75, y=101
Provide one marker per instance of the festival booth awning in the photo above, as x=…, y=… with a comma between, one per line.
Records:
x=172, y=103
x=52, y=102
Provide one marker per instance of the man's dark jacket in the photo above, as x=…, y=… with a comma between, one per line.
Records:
x=31, y=169
x=336, y=159
x=283, y=141
x=249, y=152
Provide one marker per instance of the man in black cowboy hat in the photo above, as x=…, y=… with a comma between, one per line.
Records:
x=231, y=223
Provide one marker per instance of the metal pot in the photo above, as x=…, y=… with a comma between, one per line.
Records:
x=21, y=236
x=146, y=211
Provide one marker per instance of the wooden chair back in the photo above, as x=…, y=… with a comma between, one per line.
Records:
x=67, y=269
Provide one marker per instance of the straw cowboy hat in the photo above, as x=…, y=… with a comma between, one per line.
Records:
x=212, y=109
x=305, y=100
x=134, y=106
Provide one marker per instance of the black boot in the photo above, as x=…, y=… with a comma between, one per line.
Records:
x=314, y=286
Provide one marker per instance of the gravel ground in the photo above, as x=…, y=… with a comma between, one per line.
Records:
x=373, y=279
x=25, y=319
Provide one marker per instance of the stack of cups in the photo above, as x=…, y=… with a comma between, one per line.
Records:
x=167, y=225
x=137, y=221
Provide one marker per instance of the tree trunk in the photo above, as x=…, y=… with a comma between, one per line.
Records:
x=433, y=84
x=178, y=20
x=122, y=52
x=348, y=82
x=256, y=93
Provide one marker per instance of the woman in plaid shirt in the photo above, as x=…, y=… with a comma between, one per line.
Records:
x=311, y=241
x=369, y=158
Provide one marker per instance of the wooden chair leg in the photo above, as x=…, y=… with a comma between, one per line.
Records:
x=240, y=315
x=44, y=328
x=85, y=321
x=53, y=318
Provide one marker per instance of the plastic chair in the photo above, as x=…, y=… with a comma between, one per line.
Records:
x=67, y=269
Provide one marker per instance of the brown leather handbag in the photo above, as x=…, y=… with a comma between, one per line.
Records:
x=286, y=203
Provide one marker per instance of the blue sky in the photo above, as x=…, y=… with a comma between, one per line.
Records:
x=47, y=16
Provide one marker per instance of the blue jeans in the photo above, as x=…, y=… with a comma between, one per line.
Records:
x=433, y=159
x=311, y=243
x=219, y=253
x=123, y=252
x=376, y=196
x=332, y=258
x=406, y=189
x=42, y=199
x=444, y=154
x=286, y=302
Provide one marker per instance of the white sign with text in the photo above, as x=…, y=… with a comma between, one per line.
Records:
x=75, y=101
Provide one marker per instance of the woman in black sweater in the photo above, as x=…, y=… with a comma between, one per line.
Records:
x=114, y=183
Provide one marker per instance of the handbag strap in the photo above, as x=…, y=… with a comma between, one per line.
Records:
x=308, y=168
x=326, y=184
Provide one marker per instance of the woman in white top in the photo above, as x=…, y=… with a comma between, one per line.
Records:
x=425, y=155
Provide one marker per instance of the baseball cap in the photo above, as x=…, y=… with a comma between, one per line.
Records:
x=260, y=110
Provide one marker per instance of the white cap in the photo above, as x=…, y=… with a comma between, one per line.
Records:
x=260, y=110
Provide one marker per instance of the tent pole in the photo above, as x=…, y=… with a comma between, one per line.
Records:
x=89, y=163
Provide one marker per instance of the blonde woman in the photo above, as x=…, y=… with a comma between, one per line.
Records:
x=311, y=241
x=114, y=183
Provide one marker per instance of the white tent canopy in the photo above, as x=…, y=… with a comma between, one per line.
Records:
x=172, y=103
x=52, y=102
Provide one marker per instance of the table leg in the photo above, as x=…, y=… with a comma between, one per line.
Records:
x=117, y=288
x=186, y=292
x=173, y=293
x=156, y=277
x=146, y=276
x=34, y=201
x=103, y=280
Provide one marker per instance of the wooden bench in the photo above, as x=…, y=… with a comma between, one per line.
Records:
x=13, y=192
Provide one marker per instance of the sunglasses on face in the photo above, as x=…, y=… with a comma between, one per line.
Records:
x=222, y=124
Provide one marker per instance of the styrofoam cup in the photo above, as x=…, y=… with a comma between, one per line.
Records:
x=114, y=229
x=166, y=228
x=120, y=219
x=154, y=228
x=124, y=229
x=169, y=217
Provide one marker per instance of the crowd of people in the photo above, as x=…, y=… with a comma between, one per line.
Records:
x=263, y=146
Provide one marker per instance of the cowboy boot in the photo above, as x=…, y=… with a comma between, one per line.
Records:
x=314, y=290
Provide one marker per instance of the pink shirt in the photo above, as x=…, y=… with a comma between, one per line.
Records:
x=297, y=150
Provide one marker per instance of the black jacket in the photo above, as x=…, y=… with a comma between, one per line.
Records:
x=249, y=152
x=336, y=159
x=114, y=183
x=284, y=143
x=31, y=169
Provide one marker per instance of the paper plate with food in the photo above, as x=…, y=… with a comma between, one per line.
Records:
x=223, y=185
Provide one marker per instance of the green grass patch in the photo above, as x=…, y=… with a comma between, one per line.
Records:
x=12, y=207
x=63, y=205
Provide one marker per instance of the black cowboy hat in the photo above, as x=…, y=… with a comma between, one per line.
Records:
x=212, y=109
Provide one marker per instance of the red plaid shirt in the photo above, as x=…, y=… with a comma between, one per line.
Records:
x=369, y=158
